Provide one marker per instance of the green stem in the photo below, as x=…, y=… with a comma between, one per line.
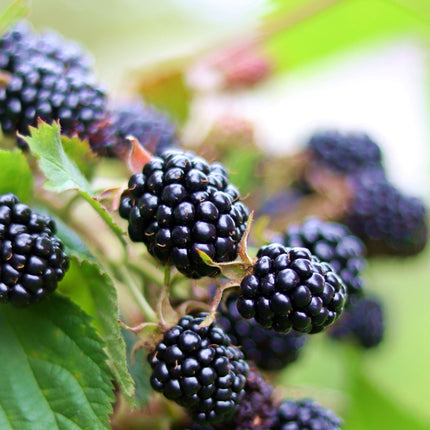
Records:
x=148, y=271
x=136, y=292
x=167, y=272
x=105, y=217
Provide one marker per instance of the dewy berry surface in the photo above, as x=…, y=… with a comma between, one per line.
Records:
x=180, y=204
x=333, y=243
x=198, y=369
x=291, y=289
x=32, y=258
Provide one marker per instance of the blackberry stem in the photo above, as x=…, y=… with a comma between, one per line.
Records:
x=135, y=291
x=148, y=271
x=104, y=215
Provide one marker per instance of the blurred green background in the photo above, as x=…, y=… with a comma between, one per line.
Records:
x=387, y=388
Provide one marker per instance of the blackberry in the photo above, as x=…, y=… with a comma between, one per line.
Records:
x=333, y=243
x=344, y=152
x=387, y=220
x=32, y=259
x=39, y=88
x=21, y=43
x=256, y=411
x=180, y=203
x=268, y=349
x=151, y=128
x=305, y=414
x=198, y=369
x=290, y=288
x=47, y=82
x=363, y=321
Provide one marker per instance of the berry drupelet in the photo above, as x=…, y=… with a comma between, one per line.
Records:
x=154, y=131
x=32, y=258
x=180, y=204
x=363, y=322
x=333, y=243
x=388, y=221
x=305, y=414
x=290, y=288
x=268, y=349
x=198, y=369
x=344, y=152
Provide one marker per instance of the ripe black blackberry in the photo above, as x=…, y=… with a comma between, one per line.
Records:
x=333, y=243
x=40, y=88
x=32, y=259
x=180, y=203
x=290, y=288
x=387, y=220
x=49, y=83
x=154, y=130
x=198, y=369
x=21, y=43
x=363, y=322
x=305, y=414
x=268, y=349
x=344, y=152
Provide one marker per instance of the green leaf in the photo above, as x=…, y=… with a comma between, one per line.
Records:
x=61, y=172
x=139, y=368
x=311, y=33
x=53, y=373
x=92, y=289
x=80, y=152
x=16, y=10
x=15, y=175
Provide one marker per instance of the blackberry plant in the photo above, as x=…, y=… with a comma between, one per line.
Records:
x=128, y=336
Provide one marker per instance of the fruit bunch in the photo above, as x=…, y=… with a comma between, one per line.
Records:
x=217, y=309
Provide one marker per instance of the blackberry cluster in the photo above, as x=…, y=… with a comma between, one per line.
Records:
x=333, y=243
x=32, y=259
x=387, y=220
x=154, y=131
x=268, y=349
x=198, y=369
x=180, y=204
x=305, y=414
x=363, y=321
x=290, y=288
x=51, y=82
x=345, y=152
